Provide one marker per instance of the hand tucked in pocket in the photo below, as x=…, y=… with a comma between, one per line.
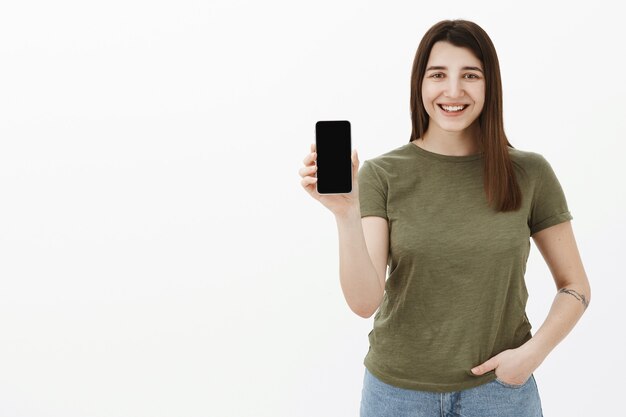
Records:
x=512, y=366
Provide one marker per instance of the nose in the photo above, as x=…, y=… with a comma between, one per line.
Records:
x=454, y=88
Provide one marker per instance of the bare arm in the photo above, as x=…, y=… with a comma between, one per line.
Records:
x=558, y=247
x=363, y=251
x=363, y=242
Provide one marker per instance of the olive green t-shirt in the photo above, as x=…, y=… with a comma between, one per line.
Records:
x=455, y=294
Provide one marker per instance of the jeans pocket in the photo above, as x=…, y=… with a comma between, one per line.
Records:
x=507, y=385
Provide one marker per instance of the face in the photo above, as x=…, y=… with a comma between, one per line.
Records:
x=453, y=77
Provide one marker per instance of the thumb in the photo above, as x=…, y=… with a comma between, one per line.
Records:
x=355, y=162
x=490, y=365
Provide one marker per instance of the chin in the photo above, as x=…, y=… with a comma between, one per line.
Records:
x=454, y=128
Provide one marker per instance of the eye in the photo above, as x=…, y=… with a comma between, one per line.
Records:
x=435, y=75
x=474, y=76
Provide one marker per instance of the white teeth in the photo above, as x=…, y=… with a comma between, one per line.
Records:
x=452, y=108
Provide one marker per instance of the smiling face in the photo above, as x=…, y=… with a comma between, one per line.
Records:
x=453, y=88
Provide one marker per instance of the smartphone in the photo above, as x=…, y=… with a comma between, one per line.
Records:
x=334, y=161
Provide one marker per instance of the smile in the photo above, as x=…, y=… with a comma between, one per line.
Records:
x=453, y=109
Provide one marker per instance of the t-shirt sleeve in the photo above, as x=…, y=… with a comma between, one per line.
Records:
x=372, y=191
x=549, y=205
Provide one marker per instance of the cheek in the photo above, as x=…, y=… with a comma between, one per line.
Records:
x=427, y=97
x=481, y=103
x=479, y=94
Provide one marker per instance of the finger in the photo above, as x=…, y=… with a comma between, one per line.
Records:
x=308, y=183
x=490, y=365
x=310, y=158
x=304, y=171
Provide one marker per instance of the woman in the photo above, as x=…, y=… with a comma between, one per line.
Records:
x=451, y=213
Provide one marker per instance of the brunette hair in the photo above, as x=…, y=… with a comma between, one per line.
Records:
x=501, y=187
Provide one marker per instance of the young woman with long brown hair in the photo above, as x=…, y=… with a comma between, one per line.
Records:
x=450, y=214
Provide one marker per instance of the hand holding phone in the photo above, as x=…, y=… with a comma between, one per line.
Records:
x=340, y=203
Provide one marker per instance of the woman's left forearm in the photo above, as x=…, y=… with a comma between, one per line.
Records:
x=568, y=306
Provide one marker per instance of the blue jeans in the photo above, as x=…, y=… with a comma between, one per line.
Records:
x=493, y=399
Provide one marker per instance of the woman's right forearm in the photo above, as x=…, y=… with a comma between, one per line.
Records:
x=360, y=283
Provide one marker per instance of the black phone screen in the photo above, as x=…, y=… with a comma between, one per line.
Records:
x=334, y=162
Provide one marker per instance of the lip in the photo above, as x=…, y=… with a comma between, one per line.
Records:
x=452, y=114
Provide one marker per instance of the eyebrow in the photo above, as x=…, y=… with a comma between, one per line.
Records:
x=444, y=68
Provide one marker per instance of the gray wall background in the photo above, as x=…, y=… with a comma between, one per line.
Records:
x=158, y=256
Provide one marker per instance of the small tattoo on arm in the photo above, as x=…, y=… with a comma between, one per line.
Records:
x=579, y=297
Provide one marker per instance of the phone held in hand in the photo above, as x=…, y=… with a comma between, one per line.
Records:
x=334, y=161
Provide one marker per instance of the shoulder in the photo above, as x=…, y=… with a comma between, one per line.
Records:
x=529, y=162
x=390, y=160
x=526, y=157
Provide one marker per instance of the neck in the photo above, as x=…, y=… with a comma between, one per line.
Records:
x=451, y=143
